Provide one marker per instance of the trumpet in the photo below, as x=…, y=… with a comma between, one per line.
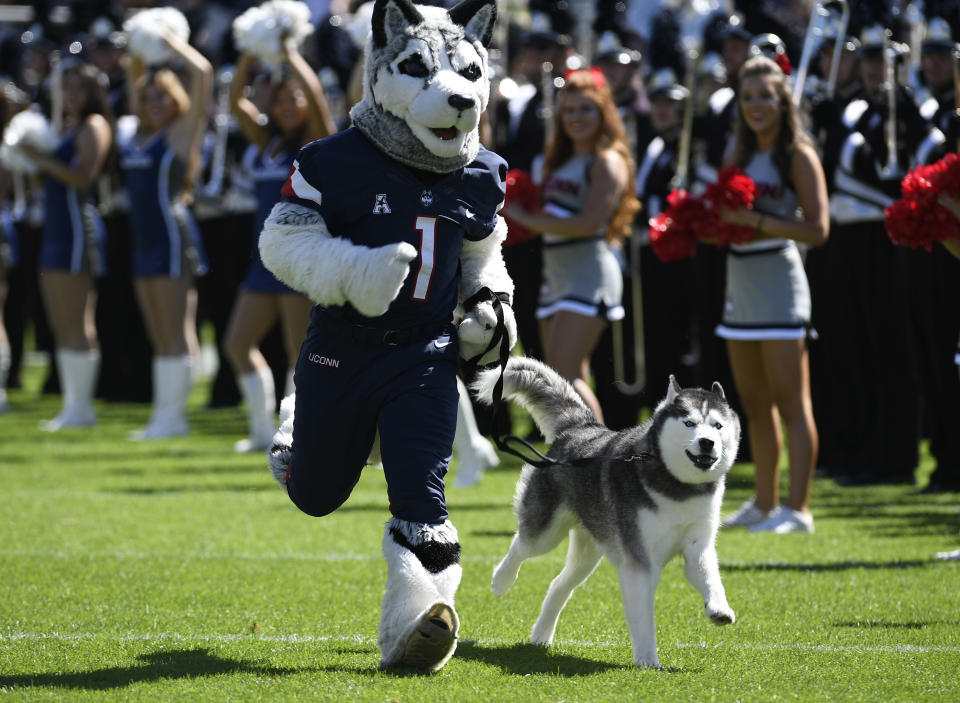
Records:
x=826, y=18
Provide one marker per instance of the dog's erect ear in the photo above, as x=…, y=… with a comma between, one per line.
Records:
x=718, y=390
x=477, y=18
x=673, y=389
x=390, y=18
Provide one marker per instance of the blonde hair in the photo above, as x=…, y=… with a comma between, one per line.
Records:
x=791, y=134
x=611, y=135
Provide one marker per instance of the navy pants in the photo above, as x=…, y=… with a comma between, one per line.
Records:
x=348, y=387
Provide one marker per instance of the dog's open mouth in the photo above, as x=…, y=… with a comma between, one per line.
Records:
x=702, y=461
x=445, y=133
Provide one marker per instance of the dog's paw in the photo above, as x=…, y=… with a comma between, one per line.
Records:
x=647, y=661
x=542, y=634
x=722, y=615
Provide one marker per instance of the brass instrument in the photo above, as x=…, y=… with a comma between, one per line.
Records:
x=891, y=169
x=547, y=107
x=616, y=329
x=956, y=87
x=822, y=17
x=681, y=178
x=221, y=129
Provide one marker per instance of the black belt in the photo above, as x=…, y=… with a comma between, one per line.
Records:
x=374, y=336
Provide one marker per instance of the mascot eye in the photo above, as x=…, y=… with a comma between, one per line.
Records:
x=689, y=423
x=718, y=426
x=471, y=72
x=413, y=66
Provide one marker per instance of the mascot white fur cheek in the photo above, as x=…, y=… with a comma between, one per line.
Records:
x=425, y=86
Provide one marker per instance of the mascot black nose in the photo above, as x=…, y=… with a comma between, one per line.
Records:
x=706, y=444
x=460, y=102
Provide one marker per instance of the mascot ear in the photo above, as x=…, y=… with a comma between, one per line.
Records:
x=477, y=18
x=390, y=18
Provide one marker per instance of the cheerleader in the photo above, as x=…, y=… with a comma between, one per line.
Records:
x=159, y=163
x=296, y=113
x=767, y=308
x=590, y=205
x=72, y=253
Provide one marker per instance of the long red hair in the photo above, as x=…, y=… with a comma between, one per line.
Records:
x=610, y=135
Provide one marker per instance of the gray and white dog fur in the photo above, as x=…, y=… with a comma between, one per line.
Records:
x=639, y=514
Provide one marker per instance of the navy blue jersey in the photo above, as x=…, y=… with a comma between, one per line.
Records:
x=368, y=198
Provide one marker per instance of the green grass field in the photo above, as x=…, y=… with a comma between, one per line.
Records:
x=177, y=571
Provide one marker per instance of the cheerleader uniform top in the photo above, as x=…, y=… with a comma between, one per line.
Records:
x=74, y=238
x=269, y=172
x=580, y=274
x=767, y=295
x=166, y=240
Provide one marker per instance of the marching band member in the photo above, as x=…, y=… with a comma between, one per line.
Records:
x=880, y=402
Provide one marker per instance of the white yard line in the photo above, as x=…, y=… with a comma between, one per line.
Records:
x=297, y=639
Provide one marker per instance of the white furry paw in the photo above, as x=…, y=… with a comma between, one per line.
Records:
x=477, y=329
x=721, y=615
x=372, y=287
x=542, y=634
x=647, y=661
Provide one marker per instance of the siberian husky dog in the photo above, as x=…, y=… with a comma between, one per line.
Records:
x=639, y=496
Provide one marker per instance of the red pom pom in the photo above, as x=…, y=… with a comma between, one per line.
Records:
x=673, y=233
x=521, y=190
x=733, y=190
x=917, y=219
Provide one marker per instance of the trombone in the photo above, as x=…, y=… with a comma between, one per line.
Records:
x=891, y=169
x=680, y=180
x=822, y=15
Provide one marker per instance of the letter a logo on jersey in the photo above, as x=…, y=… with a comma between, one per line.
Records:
x=380, y=207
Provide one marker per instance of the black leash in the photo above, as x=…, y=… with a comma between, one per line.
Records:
x=470, y=366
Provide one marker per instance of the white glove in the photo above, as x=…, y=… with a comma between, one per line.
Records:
x=477, y=328
x=378, y=277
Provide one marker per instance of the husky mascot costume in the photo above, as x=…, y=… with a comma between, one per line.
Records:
x=391, y=227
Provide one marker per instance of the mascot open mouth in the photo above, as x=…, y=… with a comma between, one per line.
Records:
x=702, y=461
x=445, y=133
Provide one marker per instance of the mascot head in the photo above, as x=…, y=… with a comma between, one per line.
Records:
x=425, y=81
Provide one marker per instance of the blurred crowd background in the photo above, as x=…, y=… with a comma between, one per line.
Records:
x=887, y=318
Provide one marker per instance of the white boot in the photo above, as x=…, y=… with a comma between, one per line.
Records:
x=418, y=623
x=4, y=371
x=78, y=379
x=474, y=452
x=258, y=394
x=280, y=450
x=172, y=381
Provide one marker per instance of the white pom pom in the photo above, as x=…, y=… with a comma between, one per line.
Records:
x=261, y=31
x=146, y=29
x=26, y=128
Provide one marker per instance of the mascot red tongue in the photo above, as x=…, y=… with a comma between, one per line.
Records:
x=391, y=227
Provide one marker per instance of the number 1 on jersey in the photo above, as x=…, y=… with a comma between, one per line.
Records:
x=427, y=226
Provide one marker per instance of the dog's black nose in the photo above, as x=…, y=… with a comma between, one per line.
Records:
x=460, y=102
x=706, y=444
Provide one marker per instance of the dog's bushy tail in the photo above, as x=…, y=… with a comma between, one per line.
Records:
x=551, y=400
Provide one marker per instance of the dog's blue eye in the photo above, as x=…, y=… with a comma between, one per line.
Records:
x=413, y=66
x=689, y=423
x=718, y=426
x=471, y=72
